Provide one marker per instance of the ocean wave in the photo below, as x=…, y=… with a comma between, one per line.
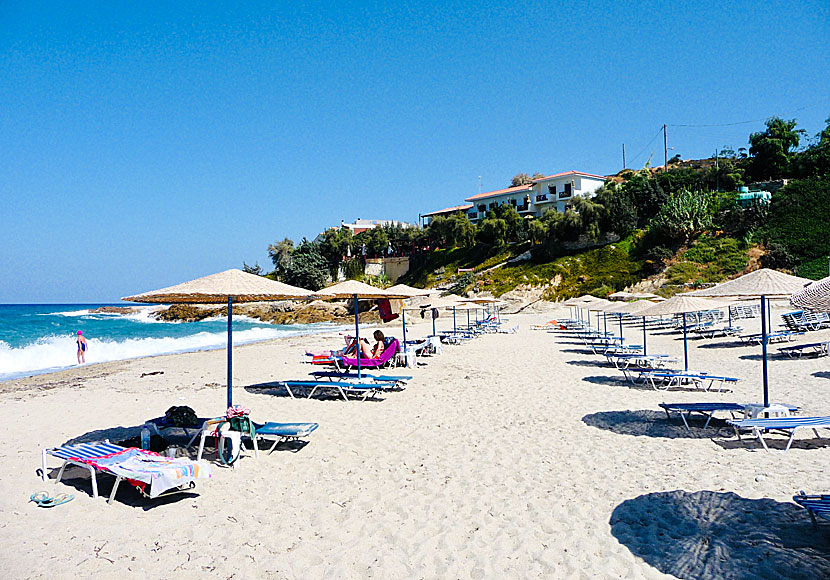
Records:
x=59, y=352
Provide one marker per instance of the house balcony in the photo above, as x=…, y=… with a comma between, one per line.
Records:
x=544, y=198
x=526, y=208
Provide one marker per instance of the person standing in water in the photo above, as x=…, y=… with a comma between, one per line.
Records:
x=81, y=348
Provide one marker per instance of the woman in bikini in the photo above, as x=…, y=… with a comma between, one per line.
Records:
x=81, y=348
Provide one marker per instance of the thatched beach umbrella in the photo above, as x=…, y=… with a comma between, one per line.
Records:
x=229, y=286
x=635, y=307
x=682, y=304
x=356, y=290
x=437, y=304
x=815, y=297
x=599, y=305
x=763, y=284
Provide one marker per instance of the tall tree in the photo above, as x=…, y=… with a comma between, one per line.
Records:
x=280, y=253
x=772, y=150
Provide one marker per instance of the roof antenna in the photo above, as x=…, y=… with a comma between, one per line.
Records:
x=479, y=185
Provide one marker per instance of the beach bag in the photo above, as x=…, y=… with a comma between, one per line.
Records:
x=182, y=416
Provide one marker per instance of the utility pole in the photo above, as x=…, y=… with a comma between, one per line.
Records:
x=717, y=172
x=623, y=156
x=665, y=150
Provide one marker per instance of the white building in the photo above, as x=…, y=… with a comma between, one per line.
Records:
x=551, y=192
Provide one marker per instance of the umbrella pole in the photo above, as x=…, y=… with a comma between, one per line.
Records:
x=644, y=336
x=359, y=354
x=604, y=322
x=764, y=348
x=403, y=323
x=230, y=351
x=621, y=332
x=432, y=313
x=454, y=331
x=685, y=344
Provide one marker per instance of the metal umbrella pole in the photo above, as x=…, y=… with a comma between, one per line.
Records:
x=230, y=351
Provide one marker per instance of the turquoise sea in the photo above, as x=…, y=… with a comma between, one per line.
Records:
x=39, y=338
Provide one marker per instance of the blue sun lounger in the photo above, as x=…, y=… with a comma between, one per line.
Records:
x=788, y=425
x=282, y=432
x=365, y=389
x=816, y=505
x=666, y=380
x=347, y=376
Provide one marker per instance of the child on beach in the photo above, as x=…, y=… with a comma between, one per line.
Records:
x=81, y=348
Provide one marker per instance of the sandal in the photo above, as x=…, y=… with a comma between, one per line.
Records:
x=42, y=499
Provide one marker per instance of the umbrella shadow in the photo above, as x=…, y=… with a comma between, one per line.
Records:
x=725, y=344
x=589, y=363
x=822, y=374
x=646, y=423
x=708, y=534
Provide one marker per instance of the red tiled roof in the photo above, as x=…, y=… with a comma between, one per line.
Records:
x=499, y=192
x=563, y=174
x=464, y=207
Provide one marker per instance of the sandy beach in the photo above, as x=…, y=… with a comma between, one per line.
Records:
x=512, y=456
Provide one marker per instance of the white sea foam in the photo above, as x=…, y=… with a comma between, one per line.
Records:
x=58, y=352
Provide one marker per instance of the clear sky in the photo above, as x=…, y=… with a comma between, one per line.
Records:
x=144, y=144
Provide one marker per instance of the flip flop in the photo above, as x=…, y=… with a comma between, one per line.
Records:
x=59, y=499
x=40, y=497
x=43, y=499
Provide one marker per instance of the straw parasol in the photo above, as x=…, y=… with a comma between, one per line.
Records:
x=436, y=304
x=634, y=307
x=682, y=304
x=356, y=290
x=816, y=296
x=621, y=295
x=229, y=286
x=763, y=284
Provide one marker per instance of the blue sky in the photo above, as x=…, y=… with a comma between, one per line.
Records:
x=143, y=146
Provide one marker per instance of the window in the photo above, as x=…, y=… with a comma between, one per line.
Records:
x=513, y=202
x=566, y=192
x=472, y=215
x=482, y=209
x=568, y=188
x=542, y=197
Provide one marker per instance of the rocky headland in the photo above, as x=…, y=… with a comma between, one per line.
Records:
x=282, y=312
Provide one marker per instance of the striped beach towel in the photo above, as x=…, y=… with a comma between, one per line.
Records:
x=142, y=468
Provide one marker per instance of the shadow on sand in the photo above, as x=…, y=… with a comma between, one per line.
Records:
x=708, y=534
x=646, y=423
x=275, y=389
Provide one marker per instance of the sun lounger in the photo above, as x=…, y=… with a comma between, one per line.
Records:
x=362, y=390
x=720, y=331
x=666, y=380
x=280, y=432
x=815, y=348
x=772, y=337
x=352, y=377
x=384, y=359
x=708, y=410
x=816, y=505
x=150, y=473
x=788, y=425
x=641, y=361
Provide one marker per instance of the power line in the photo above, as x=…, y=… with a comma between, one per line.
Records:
x=748, y=122
x=643, y=150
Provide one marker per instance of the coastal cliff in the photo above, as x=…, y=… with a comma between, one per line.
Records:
x=283, y=312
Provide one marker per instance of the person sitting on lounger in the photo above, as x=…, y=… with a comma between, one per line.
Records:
x=374, y=352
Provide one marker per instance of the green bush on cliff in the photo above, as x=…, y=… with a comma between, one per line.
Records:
x=798, y=223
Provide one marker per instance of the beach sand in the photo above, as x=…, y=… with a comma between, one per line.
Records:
x=512, y=456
